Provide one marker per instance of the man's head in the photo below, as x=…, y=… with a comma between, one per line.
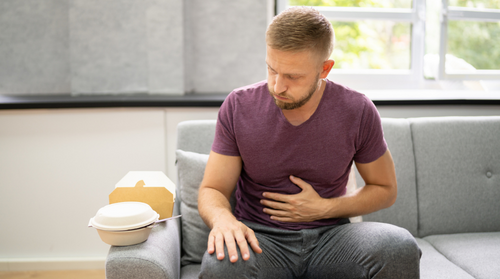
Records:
x=299, y=29
x=299, y=44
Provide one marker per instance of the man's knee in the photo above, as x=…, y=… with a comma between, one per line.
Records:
x=401, y=240
x=390, y=240
x=397, y=252
x=211, y=267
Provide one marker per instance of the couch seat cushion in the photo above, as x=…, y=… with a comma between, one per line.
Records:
x=434, y=265
x=476, y=253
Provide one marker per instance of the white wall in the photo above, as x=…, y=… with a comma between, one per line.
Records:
x=57, y=168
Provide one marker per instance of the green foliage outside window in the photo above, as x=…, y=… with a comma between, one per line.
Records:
x=372, y=45
x=478, y=43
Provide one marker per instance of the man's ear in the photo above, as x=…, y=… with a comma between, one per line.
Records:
x=327, y=67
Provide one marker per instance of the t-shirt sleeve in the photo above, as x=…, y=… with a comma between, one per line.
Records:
x=370, y=143
x=225, y=140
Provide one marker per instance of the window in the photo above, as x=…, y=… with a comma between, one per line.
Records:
x=469, y=40
x=398, y=44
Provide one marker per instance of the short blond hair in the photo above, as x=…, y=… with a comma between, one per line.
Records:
x=300, y=29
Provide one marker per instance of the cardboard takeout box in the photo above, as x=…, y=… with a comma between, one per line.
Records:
x=151, y=187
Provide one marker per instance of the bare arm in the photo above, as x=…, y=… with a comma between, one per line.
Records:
x=379, y=192
x=221, y=174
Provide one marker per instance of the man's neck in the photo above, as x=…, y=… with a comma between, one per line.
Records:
x=300, y=115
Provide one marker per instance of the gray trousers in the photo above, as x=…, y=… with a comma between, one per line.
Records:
x=349, y=250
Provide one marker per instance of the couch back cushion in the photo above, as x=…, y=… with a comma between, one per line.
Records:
x=191, y=167
x=458, y=174
x=404, y=212
x=196, y=135
x=194, y=141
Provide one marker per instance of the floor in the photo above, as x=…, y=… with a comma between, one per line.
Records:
x=56, y=274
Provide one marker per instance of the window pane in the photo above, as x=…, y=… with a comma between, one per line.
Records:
x=480, y=4
x=475, y=42
x=371, y=44
x=355, y=3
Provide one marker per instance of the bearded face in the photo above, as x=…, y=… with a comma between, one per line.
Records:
x=287, y=102
x=294, y=76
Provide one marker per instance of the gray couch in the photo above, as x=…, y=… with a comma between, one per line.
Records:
x=448, y=172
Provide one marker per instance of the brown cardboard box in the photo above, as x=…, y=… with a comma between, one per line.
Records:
x=151, y=187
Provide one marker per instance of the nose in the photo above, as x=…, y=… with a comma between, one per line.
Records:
x=279, y=85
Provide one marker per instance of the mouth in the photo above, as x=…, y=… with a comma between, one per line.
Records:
x=281, y=98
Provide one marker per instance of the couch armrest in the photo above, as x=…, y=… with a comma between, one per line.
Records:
x=158, y=257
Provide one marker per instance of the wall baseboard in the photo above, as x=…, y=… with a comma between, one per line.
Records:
x=25, y=264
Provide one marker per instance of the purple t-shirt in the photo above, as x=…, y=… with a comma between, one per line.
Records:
x=346, y=126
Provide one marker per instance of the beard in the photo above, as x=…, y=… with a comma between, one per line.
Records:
x=295, y=104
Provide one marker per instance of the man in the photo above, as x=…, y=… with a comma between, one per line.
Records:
x=287, y=146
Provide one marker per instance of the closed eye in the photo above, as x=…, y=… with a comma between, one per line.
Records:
x=288, y=76
x=271, y=70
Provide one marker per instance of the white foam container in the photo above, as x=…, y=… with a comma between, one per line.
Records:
x=125, y=238
x=124, y=223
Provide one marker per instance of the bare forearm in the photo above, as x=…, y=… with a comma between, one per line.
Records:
x=380, y=191
x=365, y=200
x=213, y=206
x=221, y=174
